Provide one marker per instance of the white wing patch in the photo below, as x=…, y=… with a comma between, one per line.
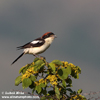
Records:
x=36, y=41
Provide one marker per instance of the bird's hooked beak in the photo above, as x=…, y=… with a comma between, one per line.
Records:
x=55, y=36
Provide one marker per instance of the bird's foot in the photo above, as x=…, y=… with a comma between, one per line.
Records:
x=41, y=57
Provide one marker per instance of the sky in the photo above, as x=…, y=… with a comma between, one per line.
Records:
x=76, y=24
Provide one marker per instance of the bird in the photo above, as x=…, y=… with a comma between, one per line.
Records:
x=37, y=46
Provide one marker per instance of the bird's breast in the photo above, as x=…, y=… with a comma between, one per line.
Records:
x=36, y=50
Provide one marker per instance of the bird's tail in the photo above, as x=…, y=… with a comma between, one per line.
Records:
x=18, y=58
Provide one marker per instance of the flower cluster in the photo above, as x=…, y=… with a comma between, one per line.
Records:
x=29, y=72
x=65, y=64
x=52, y=79
x=77, y=97
x=40, y=81
x=75, y=69
x=39, y=75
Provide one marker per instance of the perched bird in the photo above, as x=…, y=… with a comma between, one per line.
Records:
x=37, y=46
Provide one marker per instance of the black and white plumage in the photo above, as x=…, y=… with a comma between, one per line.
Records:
x=37, y=46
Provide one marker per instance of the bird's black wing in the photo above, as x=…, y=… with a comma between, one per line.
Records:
x=36, y=43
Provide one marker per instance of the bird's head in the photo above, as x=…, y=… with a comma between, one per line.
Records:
x=48, y=34
x=49, y=37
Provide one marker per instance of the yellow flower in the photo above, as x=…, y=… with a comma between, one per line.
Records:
x=64, y=97
x=29, y=72
x=32, y=63
x=59, y=89
x=75, y=97
x=72, y=65
x=25, y=76
x=41, y=80
x=52, y=79
x=36, y=83
x=75, y=71
x=53, y=83
x=66, y=63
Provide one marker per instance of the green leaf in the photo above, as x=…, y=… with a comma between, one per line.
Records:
x=38, y=88
x=79, y=91
x=51, y=98
x=39, y=67
x=63, y=73
x=57, y=96
x=69, y=89
x=36, y=59
x=83, y=98
x=26, y=82
x=18, y=80
x=24, y=69
x=69, y=81
x=79, y=69
x=21, y=70
x=57, y=92
x=52, y=66
x=43, y=98
x=44, y=92
x=57, y=62
x=77, y=76
x=39, y=62
x=32, y=85
x=51, y=92
x=42, y=85
x=73, y=93
x=64, y=83
x=33, y=90
x=32, y=77
x=69, y=70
